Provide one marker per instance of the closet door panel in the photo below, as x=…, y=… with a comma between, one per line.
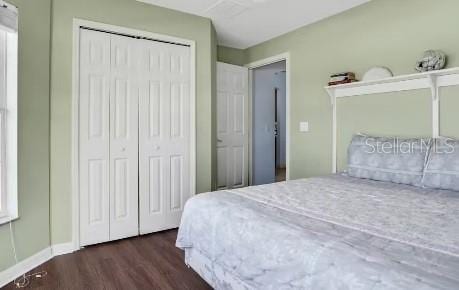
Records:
x=164, y=135
x=153, y=161
x=155, y=184
x=123, y=137
x=176, y=193
x=94, y=137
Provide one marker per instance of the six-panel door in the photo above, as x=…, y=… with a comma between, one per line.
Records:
x=164, y=135
x=232, y=126
x=124, y=96
x=134, y=135
x=94, y=137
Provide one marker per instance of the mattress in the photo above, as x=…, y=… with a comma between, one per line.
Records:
x=333, y=232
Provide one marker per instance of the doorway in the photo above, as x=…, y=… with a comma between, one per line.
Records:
x=238, y=144
x=269, y=130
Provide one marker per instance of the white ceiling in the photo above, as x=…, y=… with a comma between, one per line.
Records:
x=244, y=23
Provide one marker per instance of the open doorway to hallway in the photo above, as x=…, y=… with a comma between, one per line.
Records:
x=252, y=144
x=269, y=123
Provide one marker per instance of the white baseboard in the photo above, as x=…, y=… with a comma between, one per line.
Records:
x=25, y=266
x=34, y=261
x=62, y=249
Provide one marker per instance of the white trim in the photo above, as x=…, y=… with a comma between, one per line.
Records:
x=25, y=266
x=7, y=218
x=193, y=124
x=9, y=121
x=251, y=66
x=28, y=264
x=62, y=249
x=432, y=80
x=75, y=136
x=427, y=80
x=77, y=23
x=334, y=136
x=249, y=129
x=12, y=125
x=269, y=60
x=435, y=90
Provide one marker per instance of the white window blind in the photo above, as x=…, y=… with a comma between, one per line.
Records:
x=3, y=72
x=8, y=112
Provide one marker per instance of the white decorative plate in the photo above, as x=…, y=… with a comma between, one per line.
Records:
x=377, y=73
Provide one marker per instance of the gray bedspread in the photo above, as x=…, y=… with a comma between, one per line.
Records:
x=333, y=232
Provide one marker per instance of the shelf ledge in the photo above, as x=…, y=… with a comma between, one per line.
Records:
x=428, y=80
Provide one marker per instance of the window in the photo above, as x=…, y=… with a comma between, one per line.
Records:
x=8, y=112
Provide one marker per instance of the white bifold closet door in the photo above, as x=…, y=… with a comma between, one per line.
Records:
x=124, y=139
x=108, y=137
x=164, y=135
x=134, y=120
x=94, y=137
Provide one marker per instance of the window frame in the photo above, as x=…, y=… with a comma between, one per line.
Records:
x=9, y=132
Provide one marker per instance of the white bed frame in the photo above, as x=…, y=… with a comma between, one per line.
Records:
x=433, y=80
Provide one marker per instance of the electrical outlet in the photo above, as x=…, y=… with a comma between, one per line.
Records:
x=304, y=126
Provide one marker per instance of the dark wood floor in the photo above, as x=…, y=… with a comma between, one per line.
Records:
x=146, y=262
x=280, y=174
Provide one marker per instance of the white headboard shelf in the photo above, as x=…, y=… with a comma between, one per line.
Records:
x=429, y=80
x=432, y=80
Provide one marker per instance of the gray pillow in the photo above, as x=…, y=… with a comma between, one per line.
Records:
x=442, y=169
x=388, y=159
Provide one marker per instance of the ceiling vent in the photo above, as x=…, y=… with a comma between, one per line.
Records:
x=225, y=9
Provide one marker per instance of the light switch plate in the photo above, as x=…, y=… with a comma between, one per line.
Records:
x=304, y=126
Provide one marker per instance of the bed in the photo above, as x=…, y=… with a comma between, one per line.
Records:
x=332, y=232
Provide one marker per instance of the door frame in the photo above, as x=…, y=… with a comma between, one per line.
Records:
x=251, y=66
x=77, y=24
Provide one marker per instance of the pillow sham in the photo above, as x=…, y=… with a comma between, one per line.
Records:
x=442, y=169
x=388, y=159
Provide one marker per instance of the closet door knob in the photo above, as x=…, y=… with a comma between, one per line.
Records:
x=156, y=147
x=123, y=149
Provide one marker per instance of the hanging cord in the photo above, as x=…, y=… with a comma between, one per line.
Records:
x=24, y=280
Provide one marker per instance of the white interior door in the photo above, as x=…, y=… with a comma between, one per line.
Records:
x=124, y=94
x=94, y=137
x=232, y=126
x=164, y=135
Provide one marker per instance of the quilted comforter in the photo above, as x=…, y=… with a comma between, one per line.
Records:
x=333, y=232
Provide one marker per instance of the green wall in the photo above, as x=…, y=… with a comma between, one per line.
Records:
x=391, y=33
x=449, y=112
x=231, y=55
x=400, y=114
x=132, y=14
x=31, y=230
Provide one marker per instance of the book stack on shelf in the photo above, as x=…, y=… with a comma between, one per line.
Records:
x=342, y=78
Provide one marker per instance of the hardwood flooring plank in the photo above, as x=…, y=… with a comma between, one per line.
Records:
x=145, y=262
